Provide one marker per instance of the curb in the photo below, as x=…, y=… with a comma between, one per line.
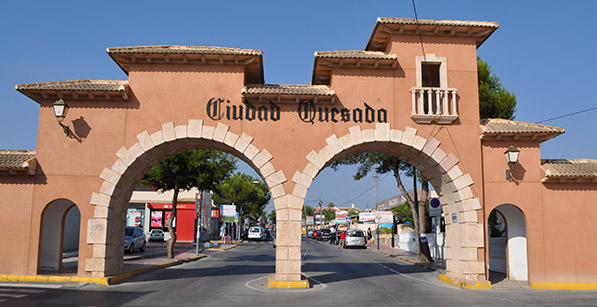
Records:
x=222, y=248
x=564, y=285
x=271, y=283
x=106, y=281
x=465, y=284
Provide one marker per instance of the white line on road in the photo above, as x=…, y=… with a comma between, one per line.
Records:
x=423, y=280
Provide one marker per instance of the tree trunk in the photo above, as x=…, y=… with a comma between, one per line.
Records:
x=170, y=221
x=410, y=201
x=422, y=216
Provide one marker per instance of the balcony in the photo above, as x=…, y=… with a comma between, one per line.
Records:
x=431, y=104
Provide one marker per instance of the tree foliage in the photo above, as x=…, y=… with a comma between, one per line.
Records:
x=308, y=211
x=272, y=216
x=248, y=194
x=494, y=100
x=201, y=168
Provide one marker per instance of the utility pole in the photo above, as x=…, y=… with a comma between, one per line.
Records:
x=320, y=209
x=375, y=184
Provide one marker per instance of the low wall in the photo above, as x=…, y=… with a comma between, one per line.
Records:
x=407, y=241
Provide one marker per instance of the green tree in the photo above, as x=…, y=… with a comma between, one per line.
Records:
x=248, y=194
x=201, y=168
x=384, y=163
x=329, y=215
x=272, y=216
x=494, y=100
x=308, y=211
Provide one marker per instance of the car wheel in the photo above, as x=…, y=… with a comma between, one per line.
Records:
x=142, y=249
x=131, y=247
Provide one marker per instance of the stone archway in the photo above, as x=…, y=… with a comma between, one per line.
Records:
x=464, y=232
x=104, y=231
x=516, y=242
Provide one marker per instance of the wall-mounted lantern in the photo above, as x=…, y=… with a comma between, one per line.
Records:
x=512, y=154
x=60, y=110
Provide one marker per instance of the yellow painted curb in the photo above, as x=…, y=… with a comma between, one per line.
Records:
x=96, y=280
x=564, y=285
x=465, y=284
x=271, y=283
x=222, y=248
x=51, y=278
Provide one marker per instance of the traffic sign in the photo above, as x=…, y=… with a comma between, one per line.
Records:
x=435, y=208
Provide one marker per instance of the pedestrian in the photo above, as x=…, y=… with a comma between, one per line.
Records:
x=222, y=231
x=333, y=235
x=342, y=240
x=369, y=236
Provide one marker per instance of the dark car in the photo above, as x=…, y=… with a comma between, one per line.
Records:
x=323, y=234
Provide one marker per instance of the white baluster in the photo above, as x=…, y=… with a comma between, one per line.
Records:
x=429, y=101
x=438, y=104
x=414, y=98
x=421, y=109
x=454, y=110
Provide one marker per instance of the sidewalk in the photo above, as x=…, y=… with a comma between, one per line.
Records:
x=439, y=265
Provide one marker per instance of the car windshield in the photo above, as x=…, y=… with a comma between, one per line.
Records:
x=156, y=231
x=254, y=230
x=129, y=232
x=355, y=233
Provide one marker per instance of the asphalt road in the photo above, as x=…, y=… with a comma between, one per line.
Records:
x=237, y=277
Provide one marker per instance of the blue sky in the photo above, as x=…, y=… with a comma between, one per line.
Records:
x=543, y=52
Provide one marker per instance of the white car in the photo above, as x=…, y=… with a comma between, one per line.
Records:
x=257, y=233
x=156, y=235
x=355, y=237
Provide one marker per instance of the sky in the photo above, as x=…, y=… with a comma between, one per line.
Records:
x=543, y=52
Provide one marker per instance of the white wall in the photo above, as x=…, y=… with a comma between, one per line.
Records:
x=517, y=242
x=437, y=247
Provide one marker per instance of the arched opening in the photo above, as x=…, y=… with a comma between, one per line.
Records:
x=106, y=230
x=464, y=232
x=59, y=238
x=507, y=244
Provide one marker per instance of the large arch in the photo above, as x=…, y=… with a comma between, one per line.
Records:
x=60, y=225
x=465, y=236
x=104, y=231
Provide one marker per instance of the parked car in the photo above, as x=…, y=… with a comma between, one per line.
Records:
x=257, y=233
x=323, y=234
x=274, y=241
x=355, y=237
x=156, y=235
x=134, y=237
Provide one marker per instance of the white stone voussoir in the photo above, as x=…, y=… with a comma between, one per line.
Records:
x=334, y=144
x=195, y=128
x=419, y=143
x=396, y=136
x=119, y=167
x=220, y=132
x=157, y=138
x=208, y=132
x=408, y=137
x=251, y=152
x=243, y=142
x=311, y=171
x=346, y=141
x=231, y=139
x=316, y=159
x=368, y=135
x=124, y=155
x=168, y=131
x=267, y=169
x=180, y=131
x=299, y=191
x=276, y=178
x=145, y=140
x=261, y=158
x=438, y=155
x=382, y=132
x=356, y=135
x=110, y=176
x=302, y=179
x=277, y=191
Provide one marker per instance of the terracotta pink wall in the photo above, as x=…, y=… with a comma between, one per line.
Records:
x=559, y=216
x=17, y=197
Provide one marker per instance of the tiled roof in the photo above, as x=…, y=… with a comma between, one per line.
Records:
x=355, y=54
x=386, y=27
x=76, y=85
x=251, y=59
x=458, y=23
x=497, y=128
x=287, y=89
x=17, y=160
x=173, y=49
x=570, y=169
x=76, y=89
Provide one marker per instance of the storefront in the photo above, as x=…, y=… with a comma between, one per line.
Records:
x=184, y=224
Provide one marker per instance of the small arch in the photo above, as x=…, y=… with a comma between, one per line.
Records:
x=105, y=229
x=59, y=236
x=515, y=242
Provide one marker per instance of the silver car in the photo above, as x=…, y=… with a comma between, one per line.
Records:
x=355, y=237
x=134, y=237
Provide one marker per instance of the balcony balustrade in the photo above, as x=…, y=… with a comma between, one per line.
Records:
x=431, y=104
